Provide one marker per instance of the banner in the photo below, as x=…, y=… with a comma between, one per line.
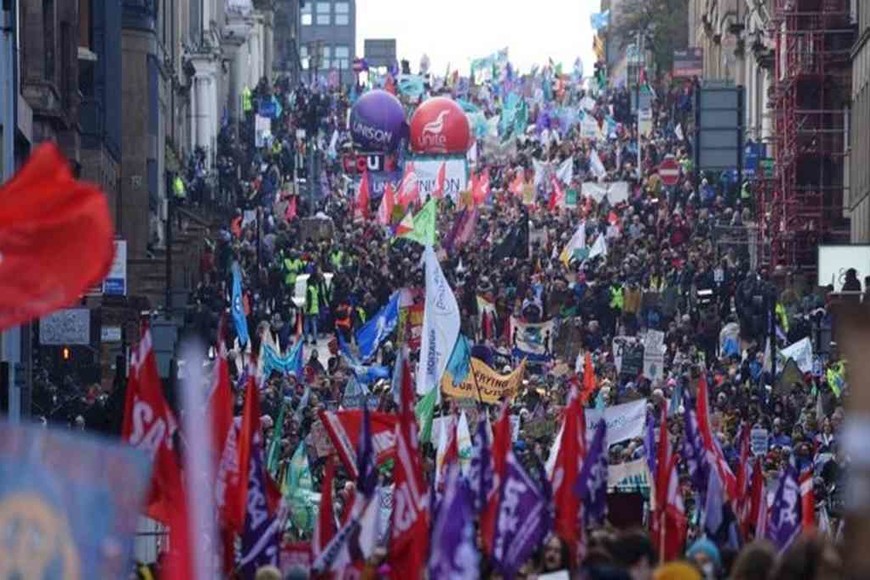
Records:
x=623, y=421
x=440, y=325
x=344, y=428
x=801, y=352
x=654, y=355
x=616, y=192
x=64, y=499
x=455, y=175
x=532, y=340
x=493, y=386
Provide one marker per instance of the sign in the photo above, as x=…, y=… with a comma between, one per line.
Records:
x=110, y=334
x=632, y=361
x=758, y=439
x=802, y=354
x=669, y=171
x=624, y=421
x=654, y=355
x=484, y=384
x=67, y=327
x=688, y=63
x=532, y=340
x=752, y=157
x=115, y=283
x=515, y=428
x=69, y=503
x=455, y=175
x=371, y=162
x=616, y=192
x=834, y=261
x=719, y=113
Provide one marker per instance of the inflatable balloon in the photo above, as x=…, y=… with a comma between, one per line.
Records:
x=377, y=121
x=439, y=126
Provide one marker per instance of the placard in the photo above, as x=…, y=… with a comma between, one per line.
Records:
x=758, y=439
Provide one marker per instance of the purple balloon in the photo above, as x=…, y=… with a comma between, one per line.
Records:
x=376, y=121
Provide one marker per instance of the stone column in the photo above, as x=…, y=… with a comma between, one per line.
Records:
x=236, y=33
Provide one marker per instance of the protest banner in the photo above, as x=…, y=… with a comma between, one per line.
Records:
x=624, y=421
x=484, y=384
x=64, y=499
x=532, y=340
x=654, y=355
x=426, y=170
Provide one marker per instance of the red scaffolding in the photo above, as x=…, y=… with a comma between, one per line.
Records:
x=804, y=205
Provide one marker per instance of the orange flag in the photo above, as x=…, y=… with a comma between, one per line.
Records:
x=588, y=379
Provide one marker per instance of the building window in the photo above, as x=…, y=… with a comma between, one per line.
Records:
x=342, y=57
x=342, y=13
x=325, y=54
x=303, y=56
x=323, y=14
x=306, y=15
x=48, y=38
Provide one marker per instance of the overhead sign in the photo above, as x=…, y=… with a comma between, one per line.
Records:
x=669, y=171
x=719, y=111
x=115, y=283
x=688, y=63
x=67, y=327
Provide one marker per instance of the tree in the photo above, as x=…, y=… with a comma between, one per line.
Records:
x=666, y=26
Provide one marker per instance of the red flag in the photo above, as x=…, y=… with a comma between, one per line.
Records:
x=501, y=443
x=440, y=182
x=612, y=218
x=758, y=499
x=324, y=527
x=567, y=469
x=808, y=500
x=516, y=186
x=557, y=194
x=743, y=499
x=480, y=188
x=714, y=452
x=290, y=213
x=669, y=524
x=237, y=494
x=449, y=457
x=55, y=238
x=361, y=206
x=221, y=399
x=149, y=424
x=385, y=211
x=344, y=428
x=179, y=563
x=409, y=540
x=409, y=190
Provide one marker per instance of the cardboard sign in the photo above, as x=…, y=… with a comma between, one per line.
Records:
x=758, y=439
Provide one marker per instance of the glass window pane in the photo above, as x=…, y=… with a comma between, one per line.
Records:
x=306, y=9
x=303, y=51
x=326, y=52
x=323, y=7
x=323, y=20
x=342, y=19
x=342, y=8
x=306, y=19
x=342, y=52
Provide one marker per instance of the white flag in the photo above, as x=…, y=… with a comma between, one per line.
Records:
x=565, y=172
x=599, y=248
x=463, y=443
x=577, y=242
x=440, y=325
x=596, y=165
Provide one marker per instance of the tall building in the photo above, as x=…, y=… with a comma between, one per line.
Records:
x=327, y=39
x=286, y=21
x=859, y=178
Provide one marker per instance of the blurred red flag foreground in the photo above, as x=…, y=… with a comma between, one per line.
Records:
x=55, y=238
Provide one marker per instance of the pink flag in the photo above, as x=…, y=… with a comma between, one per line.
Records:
x=385, y=211
x=361, y=207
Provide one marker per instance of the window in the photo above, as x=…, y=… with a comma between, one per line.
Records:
x=323, y=14
x=325, y=53
x=342, y=13
x=303, y=56
x=342, y=57
x=306, y=15
x=48, y=37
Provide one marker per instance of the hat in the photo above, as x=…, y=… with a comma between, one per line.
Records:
x=676, y=571
x=705, y=546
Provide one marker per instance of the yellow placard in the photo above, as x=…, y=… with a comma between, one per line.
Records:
x=485, y=385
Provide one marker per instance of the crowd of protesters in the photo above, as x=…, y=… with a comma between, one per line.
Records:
x=668, y=267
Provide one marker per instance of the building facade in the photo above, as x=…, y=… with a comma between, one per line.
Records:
x=286, y=34
x=859, y=175
x=327, y=39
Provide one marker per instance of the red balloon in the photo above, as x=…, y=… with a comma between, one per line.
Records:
x=439, y=126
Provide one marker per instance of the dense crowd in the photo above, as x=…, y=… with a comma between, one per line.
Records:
x=675, y=260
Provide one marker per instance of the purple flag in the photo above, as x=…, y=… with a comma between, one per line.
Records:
x=714, y=504
x=261, y=536
x=693, y=453
x=649, y=443
x=784, y=517
x=480, y=475
x=453, y=553
x=591, y=484
x=523, y=519
x=368, y=474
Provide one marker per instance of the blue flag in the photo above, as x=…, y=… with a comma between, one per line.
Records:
x=297, y=364
x=376, y=330
x=715, y=503
x=459, y=363
x=453, y=553
x=239, y=319
x=784, y=517
x=599, y=20
x=591, y=486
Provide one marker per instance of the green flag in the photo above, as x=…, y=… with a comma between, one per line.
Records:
x=273, y=455
x=425, y=411
x=300, y=490
x=424, y=224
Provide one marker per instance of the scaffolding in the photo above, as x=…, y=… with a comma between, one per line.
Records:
x=803, y=206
